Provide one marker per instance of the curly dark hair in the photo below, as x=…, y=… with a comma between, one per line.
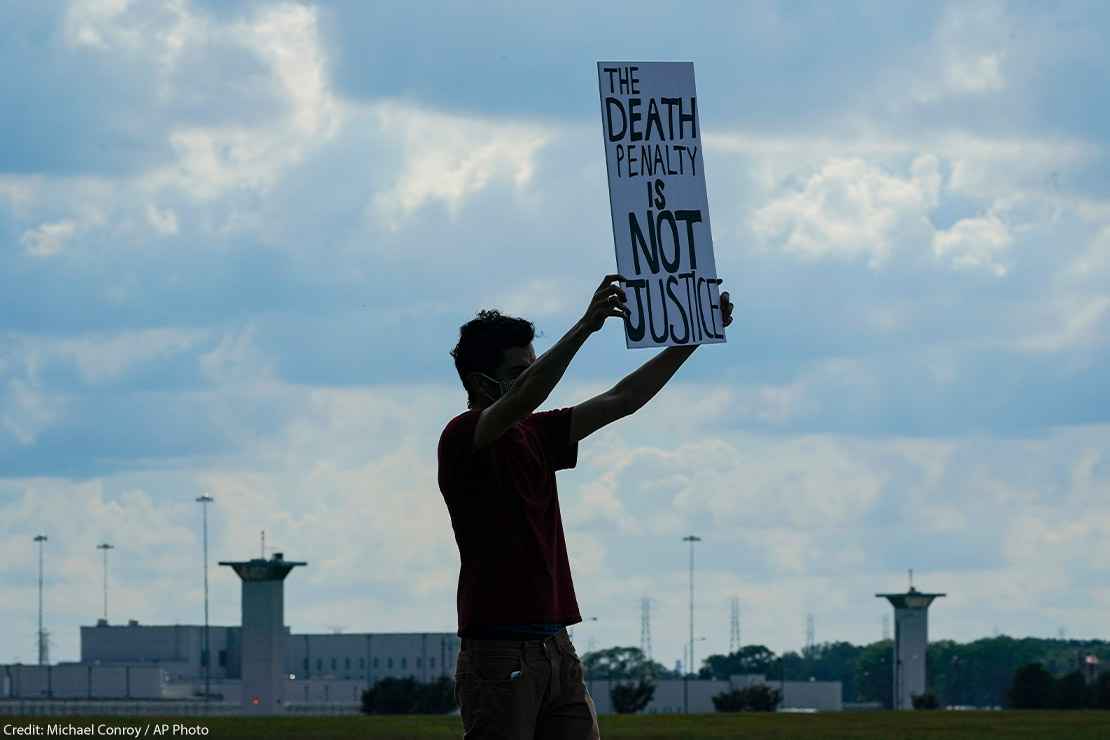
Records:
x=483, y=341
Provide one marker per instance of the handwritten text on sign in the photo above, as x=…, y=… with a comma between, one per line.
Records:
x=649, y=111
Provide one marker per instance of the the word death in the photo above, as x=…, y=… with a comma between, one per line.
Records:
x=629, y=116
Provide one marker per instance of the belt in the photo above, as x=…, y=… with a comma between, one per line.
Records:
x=510, y=643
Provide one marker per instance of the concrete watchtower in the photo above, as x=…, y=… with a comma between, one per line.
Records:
x=911, y=642
x=263, y=631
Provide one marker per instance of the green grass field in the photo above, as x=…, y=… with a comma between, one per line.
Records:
x=872, y=725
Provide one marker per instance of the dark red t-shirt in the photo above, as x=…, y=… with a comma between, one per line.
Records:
x=504, y=508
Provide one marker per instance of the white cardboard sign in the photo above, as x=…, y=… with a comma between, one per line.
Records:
x=653, y=154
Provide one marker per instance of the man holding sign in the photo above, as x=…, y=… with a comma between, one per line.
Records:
x=518, y=675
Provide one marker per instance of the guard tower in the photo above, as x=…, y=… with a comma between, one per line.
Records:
x=911, y=641
x=263, y=631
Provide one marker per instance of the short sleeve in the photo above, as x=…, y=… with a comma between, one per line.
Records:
x=457, y=458
x=553, y=428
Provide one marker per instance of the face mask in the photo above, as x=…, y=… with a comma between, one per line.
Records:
x=503, y=386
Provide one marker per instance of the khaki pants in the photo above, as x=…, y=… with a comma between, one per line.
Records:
x=547, y=700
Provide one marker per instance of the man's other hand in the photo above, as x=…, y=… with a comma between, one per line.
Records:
x=726, y=308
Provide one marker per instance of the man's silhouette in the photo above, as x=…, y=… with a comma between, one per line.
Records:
x=518, y=675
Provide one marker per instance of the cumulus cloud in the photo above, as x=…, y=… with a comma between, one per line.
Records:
x=449, y=157
x=28, y=410
x=974, y=242
x=162, y=221
x=968, y=55
x=1092, y=266
x=211, y=159
x=237, y=360
x=1073, y=323
x=97, y=357
x=852, y=208
x=540, y=298
x=48, y=239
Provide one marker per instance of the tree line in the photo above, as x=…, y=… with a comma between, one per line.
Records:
x=979, y=673
x=1000, y=671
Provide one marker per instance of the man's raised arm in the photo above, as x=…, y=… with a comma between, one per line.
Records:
x=534, y=385
x=636, y=389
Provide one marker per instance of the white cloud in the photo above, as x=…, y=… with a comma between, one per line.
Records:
x=1075, y=314
x=1093, y=266
x=237, y=360
x=535, y=298
x=843, y=197
x=98, y=357
x=992, y=167
x=288, y=36
x=974, y=243
x=162, y=221
x=967, y=56
x=19, y=191
x=101, y=358
x=95, y=23
x=1074, y=322
x=981, y=73
x=48, y=239
x=214, y=159
x=27, y=410
x=852, y=208
x=449, y=157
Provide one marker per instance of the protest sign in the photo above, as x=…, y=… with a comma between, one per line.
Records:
x=657, y=197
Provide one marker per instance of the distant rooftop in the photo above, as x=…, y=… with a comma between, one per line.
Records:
x=912, y=599
x=260, y=569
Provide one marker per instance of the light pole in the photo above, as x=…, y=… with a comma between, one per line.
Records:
x=570, y=630
x=782, y=679
x=204, y=500
x=685, y=678
x=953, y=692
x=589, y=674
x=691, y=539
x=105, y=547
x=41, y=538
x=592, y=641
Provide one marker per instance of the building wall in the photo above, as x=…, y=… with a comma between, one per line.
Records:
x=910, y=646
x=668, y=697
x=824, y=696
x=80, y=681
x=264, y=639
x=181, y=645
x=363, y=656
x=324, y=692
x=370, y=657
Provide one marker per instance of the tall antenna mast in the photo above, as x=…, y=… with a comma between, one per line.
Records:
x=645, y=626
x=811, y=634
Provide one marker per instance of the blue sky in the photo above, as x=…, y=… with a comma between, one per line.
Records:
x=237, y=242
